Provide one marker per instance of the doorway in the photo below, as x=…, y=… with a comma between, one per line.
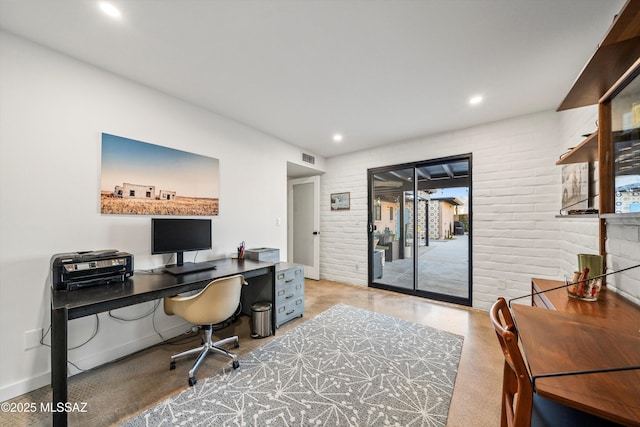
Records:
x=420, y=228
x=304, y=224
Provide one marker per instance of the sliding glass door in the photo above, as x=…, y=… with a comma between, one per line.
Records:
x=419, y=228
x=391, y=242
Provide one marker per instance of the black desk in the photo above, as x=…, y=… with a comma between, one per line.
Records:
x=141, y=288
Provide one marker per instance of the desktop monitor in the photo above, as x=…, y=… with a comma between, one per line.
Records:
x=169, y=235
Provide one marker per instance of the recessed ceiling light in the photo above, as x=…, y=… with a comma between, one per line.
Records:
x=475, y=100
x=110, y=10
x=337, y=137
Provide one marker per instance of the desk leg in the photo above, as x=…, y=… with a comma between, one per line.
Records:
x=59, y=363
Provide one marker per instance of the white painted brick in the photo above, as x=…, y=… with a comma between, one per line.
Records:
x=516, y=197
x=623, y=248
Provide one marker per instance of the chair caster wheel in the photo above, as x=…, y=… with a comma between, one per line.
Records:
x=192, y=381
x=235, y=364
x=236, y=345
x=172, y=365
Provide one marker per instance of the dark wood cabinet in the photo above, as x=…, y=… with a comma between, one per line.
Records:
x=611, y=79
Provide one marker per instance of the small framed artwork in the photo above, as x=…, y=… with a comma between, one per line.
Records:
x=575, y=186
x=340, y=201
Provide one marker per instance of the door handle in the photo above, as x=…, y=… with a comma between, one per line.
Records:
x=315, y=233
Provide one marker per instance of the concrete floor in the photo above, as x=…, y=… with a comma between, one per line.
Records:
x=443, y=267
x=119, y=390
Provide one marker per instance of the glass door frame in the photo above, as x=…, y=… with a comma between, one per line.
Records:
x=415, y=235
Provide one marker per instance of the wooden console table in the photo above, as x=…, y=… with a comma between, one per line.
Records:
x=561, y=335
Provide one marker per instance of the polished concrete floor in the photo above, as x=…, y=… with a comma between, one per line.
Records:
x=119, y=390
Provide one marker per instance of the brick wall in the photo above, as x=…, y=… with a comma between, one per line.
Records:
x=623, y=251
x=515, y=195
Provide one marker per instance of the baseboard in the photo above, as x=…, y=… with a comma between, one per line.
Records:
x=92, y=361
x=19, y=388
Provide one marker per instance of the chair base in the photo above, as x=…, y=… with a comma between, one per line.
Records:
x=209, y=346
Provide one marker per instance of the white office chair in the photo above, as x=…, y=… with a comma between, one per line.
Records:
x=217, y=302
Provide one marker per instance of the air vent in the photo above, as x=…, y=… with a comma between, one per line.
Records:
x=308, y=158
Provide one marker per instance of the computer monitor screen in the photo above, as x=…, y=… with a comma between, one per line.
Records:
x=179, y=235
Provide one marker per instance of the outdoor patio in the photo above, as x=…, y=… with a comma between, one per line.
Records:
x=443, y=267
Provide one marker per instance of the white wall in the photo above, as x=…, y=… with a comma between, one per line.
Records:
x=516, y=196
x=53, y=110
x=623, y=251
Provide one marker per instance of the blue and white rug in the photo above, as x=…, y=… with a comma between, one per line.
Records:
x=344, y=367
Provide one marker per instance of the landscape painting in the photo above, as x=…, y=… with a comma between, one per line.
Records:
x=139, y=178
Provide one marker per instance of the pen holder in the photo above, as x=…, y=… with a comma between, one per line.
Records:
x=585, y=290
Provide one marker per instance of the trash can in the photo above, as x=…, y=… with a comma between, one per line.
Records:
x=261, y=320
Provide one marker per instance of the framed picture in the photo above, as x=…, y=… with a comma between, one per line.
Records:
x=139, y=178
x=575, y=186
x=340, y=201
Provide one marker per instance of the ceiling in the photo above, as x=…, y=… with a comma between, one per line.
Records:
x=374, y=71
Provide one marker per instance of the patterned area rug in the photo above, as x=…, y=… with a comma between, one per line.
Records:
x=344, y=367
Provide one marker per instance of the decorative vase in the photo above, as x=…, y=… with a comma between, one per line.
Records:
x=592, y=262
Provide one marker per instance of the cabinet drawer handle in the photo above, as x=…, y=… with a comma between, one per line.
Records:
x=290, y=312
x=288, y=296
x=288, y=281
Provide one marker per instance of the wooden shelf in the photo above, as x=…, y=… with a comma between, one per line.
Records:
x=586, y=151
x=613, y=67
x=616, y=53
x=620, y=216
x=576, y=216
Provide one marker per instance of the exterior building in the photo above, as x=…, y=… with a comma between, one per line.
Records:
x=135, y=191
x=167, y=195
x=442, y=214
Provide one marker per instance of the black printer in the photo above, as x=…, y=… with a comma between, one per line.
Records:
x=77, y=270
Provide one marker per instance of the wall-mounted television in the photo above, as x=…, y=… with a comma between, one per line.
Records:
x=176, y=235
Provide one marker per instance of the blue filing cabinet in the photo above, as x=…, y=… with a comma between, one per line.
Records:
x=289, y=288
